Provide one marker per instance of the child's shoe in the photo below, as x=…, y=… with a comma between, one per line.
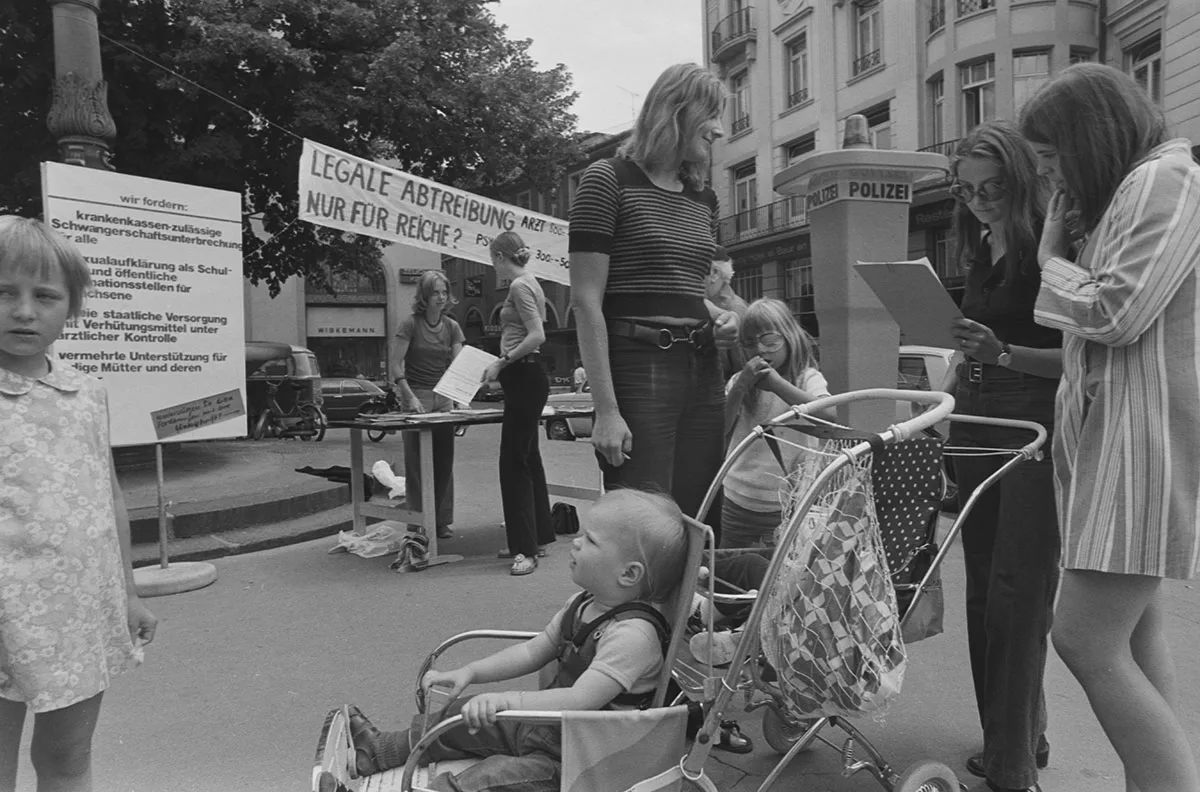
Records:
x=723, y=646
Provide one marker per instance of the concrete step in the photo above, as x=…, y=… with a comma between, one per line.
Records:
x=306, y=496
x=249, y=539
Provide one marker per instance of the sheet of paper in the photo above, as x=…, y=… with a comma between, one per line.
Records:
x=916, y=299
x=462, y=380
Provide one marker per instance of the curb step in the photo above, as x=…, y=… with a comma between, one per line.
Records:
x=239, y=512
x=250, y=539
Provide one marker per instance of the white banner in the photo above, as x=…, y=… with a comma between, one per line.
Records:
x=345, y=192
x=164, y=321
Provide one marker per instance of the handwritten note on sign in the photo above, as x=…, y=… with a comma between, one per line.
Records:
x=171, y=421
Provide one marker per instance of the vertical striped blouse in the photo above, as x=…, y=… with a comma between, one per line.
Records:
x=1127, y=443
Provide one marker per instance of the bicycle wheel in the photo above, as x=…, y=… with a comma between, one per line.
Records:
x=313, y=418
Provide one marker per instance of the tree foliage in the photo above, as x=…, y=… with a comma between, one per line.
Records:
x=433, y=87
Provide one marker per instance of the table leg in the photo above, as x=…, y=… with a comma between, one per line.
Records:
x=428, y=501
x=357, y=494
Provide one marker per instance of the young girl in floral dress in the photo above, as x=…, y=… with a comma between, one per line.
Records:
x=70, y=618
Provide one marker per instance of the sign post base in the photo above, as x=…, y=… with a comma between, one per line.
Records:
x=158, y=581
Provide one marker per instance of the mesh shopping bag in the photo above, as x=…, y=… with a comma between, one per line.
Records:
x=832, y=629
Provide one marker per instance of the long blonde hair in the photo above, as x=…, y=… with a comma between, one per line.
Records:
x=684, y=97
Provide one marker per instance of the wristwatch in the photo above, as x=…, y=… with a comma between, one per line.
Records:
x=506, y=358
x=1005, y=356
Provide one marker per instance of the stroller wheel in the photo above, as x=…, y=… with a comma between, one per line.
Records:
x=927, y=776
x=780, y=733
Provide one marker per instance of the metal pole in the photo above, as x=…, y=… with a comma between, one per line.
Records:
x=162, y=507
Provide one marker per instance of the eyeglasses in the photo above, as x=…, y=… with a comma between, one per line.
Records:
x=767, y=342
x=987, y=192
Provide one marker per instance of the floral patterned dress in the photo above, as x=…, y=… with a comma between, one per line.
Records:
x=63, y=628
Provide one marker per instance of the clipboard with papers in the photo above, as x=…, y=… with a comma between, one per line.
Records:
x=915, y=297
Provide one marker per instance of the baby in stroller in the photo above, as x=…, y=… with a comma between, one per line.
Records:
x=609, y=641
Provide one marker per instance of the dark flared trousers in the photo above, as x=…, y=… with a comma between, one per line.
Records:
x=1011, y=549
x=522, y=477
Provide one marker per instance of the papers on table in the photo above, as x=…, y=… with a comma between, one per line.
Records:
x=462, y=380
x=916, y=299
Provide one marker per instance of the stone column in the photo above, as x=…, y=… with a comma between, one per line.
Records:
x=79, y=117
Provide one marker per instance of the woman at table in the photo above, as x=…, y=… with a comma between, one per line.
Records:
x=519, y=370
x=426, y=342
x=642, y=237
x=1011, y=370
x=1126, y=453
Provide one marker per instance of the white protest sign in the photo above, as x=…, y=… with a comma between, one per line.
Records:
x=164, y=322
x=345, y=192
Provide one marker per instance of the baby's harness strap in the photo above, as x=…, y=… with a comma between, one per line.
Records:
x=577, y=648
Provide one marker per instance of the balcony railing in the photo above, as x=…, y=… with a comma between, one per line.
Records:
x=867, y=62
x=971, y=6
x=797, y=97
x=945, y=147
x=762, y=221
x=733, y=28
x=934, y=181
x=740, y=124
x=937, y=19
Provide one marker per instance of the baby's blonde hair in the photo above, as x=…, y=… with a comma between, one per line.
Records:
x=30, y=247
x=653, y=533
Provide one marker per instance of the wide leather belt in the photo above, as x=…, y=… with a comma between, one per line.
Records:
x=700, y=336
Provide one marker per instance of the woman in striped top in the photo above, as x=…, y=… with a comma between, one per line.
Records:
x=642, y=235
x=1126, y=449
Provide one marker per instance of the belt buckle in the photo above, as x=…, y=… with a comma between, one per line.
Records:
x=974, y=371
x=666, y=339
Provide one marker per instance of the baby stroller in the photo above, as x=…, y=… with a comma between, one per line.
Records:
x=602, y=751
x=853, y=573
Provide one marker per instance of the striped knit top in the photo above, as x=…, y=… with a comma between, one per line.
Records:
x=659, y=243
x=1127, y=443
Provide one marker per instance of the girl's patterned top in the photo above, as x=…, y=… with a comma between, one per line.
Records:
x=63, y=623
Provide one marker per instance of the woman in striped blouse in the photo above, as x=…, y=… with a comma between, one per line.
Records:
x=1127, y=444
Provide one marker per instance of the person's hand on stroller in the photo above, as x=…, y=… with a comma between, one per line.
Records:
x=455, y=681
x=481, y=710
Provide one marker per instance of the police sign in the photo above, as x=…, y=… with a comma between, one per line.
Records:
x=858, y=190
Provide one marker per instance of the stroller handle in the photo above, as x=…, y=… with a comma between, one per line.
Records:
x=942, y=404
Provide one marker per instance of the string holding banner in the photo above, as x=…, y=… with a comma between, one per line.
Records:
x=339, y=190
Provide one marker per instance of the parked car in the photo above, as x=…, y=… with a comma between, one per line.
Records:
x=570, y=427
x=344, y=396
x=920, y=368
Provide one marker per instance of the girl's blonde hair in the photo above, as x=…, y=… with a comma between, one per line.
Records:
x=30, y=247
x=655, y=535
x=430, y=279
x=767, y=315
x=683, y=98
x=510, y=245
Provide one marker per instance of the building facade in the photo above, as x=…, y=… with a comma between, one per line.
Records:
x=350, y=326
x=923, y=72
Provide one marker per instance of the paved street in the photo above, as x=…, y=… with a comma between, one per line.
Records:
x=234, y=690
